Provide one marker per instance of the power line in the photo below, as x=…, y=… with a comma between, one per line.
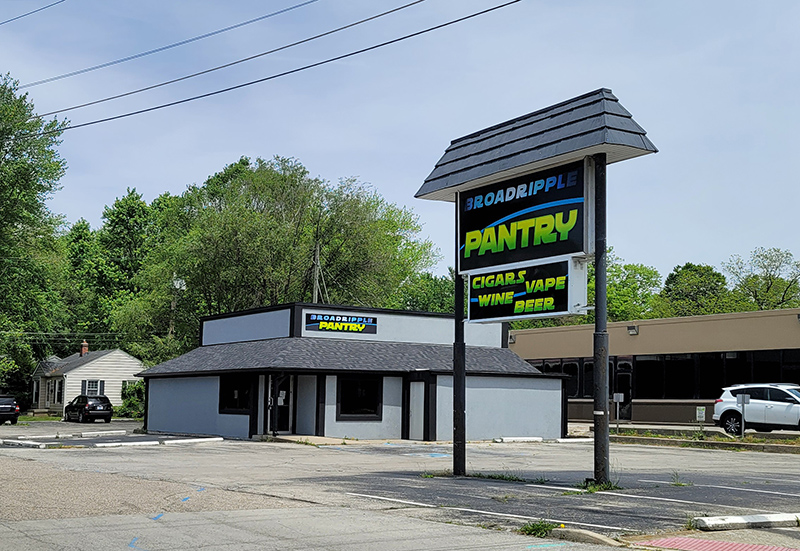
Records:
x=278, y=75
x=31, y=12
x=162, y=48
x=226, y=65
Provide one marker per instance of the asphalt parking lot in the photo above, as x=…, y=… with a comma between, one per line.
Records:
x=401, y=485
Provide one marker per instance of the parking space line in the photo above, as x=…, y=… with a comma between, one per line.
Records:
x=729, y=488
x=654, y=498
x=491, y=513
x=562, y=488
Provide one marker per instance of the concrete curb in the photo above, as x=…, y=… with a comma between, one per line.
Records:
x=510, y=439
x=705, y=444
x=778, y=520
x=583, y=536
x=101, y=433
x=22, y=444
x=123, y=444
x=192, y=440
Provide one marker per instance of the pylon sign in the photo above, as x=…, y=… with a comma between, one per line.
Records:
x=526, y=220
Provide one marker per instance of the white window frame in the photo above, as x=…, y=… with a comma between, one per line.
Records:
x=96, y=383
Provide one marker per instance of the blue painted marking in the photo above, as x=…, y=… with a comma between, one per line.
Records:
x=185, y=499
x=551, y=204
x=200, y=489
x=545, y=545
x=158, y=516
x=132, y=544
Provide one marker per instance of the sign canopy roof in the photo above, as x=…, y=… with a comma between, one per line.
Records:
x=568, y=131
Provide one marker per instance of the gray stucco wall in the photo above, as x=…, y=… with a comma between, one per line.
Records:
x=389, y=427
x=248, y=327
x=502, y=406
x=410, y=328
x=190, y=405
x=306, y=397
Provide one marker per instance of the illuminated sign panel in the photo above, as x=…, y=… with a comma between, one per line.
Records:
x=341, y=324
x=545, y=290
x=523, y=220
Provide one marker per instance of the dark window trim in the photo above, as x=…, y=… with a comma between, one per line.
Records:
x=358, y=417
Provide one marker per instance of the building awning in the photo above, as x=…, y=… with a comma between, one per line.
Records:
x=562, y=133
x=319, y=355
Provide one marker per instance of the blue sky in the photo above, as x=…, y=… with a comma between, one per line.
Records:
x=714, y=83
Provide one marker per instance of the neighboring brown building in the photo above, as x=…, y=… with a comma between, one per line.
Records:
x=667, y=367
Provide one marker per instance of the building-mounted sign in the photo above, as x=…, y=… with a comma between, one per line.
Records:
x=545, y=290
x=525, y=220
x=341, y=324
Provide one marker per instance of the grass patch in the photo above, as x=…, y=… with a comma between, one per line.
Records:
x=504, y=499
x=678, y=481
x=508, y=477
x=700, y=436
x=539, y=528
x=540, y=480
x=591, y=487
x=306, y=442
x=34, y=418
x=437, y=474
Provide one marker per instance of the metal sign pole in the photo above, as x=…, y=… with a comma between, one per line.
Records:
x=601, y=428
x=459, y=371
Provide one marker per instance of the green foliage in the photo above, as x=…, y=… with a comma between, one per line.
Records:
x=537, y=528
x=425, y=292
x=132, y=401
x=694, y=290
x=768, y=280
x=15, y=380
x=590, y=486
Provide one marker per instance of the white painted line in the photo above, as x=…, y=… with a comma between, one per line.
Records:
x=492, y=513
x=729, y=488
x=102, y=433
x=508, y=439
x=121, y=444
x=562, y=488
x=784, y=480
x=632, y=496
x=192, y=440
x=42, y=437
x=573, y=440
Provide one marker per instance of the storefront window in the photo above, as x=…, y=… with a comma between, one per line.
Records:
x=359, y=398
x=235, y=393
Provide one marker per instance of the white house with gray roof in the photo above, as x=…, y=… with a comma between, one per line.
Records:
x=57, y=381
x=348, y=372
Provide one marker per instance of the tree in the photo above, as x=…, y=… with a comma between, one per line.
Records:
x=425, y=292
x=694, y=290
x=31, y=262
x=769, y=280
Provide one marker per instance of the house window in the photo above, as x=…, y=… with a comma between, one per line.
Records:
x=236, y=393
x=92, y=387
x=59, y=391
x=359, y=398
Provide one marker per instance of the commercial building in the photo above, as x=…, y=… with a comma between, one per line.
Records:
x=346, y=372
x=666, y=368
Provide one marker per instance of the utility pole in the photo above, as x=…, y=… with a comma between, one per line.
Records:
x=601, y=421
x=316, y=273
x=459, y=371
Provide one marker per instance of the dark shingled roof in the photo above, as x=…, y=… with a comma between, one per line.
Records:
x=322, y=354
x=589, y=124
x=55, y=366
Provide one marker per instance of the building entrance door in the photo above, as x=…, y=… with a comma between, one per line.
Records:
x=278, y=414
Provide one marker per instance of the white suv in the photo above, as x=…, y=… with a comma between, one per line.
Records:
x=772, y=406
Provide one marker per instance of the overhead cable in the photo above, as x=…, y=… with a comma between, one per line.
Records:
x=278, y=75
x=162, y=48
x=232, y=63
x=31, y=12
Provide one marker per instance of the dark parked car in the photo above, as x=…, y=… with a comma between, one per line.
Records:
x=9, y=410
x=88, y=408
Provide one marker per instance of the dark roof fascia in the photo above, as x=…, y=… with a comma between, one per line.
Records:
x=300, y=305
x=313, y=372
